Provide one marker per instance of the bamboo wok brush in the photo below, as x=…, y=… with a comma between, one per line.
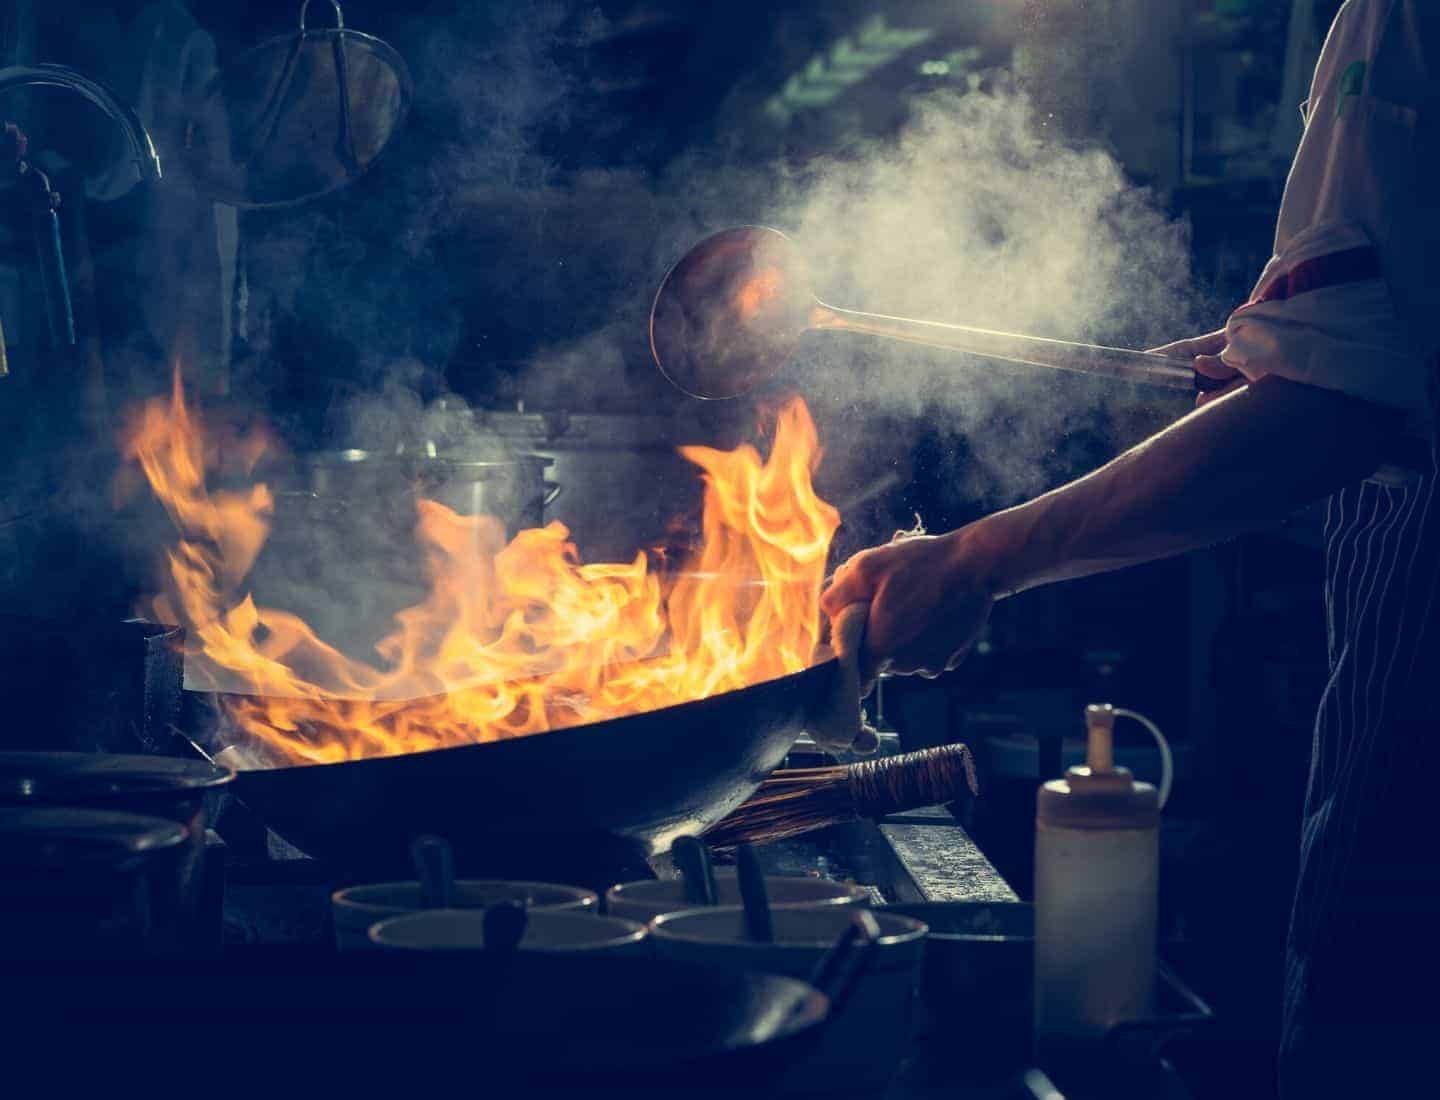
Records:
x=800, y=800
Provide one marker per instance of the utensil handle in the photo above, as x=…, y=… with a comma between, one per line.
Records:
x=848, y=958
x=758, y=925
x=504, y=926
x=1035, y=351
x=913, y=779
x=692, y=857
x=435, y=868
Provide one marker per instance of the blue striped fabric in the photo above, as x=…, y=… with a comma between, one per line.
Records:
x=1361, y=1007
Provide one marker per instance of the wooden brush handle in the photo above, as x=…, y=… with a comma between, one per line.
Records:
x=911, y=780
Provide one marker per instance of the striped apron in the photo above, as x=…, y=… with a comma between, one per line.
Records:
x=1361, y=1010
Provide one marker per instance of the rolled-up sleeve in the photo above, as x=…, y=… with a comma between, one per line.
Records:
x=1348, y=301
x=1324, y=315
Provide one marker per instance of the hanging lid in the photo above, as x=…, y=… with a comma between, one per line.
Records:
x=1098, y=794
x=299, y=116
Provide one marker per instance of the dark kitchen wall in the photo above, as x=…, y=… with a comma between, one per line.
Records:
x=560, y=155
x=145, y=277
x=1104, y=169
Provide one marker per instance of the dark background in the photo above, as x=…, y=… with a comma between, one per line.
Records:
x=483, y=239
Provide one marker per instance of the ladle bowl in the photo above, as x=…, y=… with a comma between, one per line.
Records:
x=731, y=313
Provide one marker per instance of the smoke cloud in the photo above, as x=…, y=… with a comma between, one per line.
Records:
x=975, y=211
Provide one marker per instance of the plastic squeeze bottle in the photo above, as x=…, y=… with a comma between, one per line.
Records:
x=1097, y=864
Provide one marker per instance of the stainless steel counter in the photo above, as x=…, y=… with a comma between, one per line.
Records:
x=941, y=862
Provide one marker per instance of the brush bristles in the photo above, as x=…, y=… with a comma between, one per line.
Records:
x=801, y=800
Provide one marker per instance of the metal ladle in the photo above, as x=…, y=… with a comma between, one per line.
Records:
x=732, y=311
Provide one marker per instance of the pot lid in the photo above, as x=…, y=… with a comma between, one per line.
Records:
x=296, y=117
x=62, y=839
x=88, y=778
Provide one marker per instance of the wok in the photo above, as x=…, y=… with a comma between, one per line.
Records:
x=526, y=1024
x=572, y=802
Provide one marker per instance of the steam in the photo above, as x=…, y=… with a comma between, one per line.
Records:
x=975, y=212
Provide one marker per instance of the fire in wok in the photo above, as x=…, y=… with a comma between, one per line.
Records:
x=512, y=639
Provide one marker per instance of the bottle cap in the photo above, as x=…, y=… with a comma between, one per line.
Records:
x=1097, y=794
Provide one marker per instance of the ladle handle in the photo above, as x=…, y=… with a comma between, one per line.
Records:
x=1036, y=351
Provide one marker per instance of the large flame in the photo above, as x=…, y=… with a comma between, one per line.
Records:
x=511, y=639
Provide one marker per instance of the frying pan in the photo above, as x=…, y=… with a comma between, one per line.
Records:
x=567, y=803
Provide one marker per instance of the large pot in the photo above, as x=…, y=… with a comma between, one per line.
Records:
x=78, y=883
x=186, y=907
x=512, y=488
x=624, y=483
x=864, y=1044
x=342, y=550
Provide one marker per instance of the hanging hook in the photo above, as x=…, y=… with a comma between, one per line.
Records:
x=339, y=15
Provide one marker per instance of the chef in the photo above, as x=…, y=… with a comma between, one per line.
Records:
x=1333, y=369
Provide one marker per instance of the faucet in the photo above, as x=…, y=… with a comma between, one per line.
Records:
x=147, y=161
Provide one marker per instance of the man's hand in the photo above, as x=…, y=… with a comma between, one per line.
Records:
x=929, y=596
x=1204, y=355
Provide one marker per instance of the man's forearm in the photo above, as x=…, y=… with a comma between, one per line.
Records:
x=1241, y=463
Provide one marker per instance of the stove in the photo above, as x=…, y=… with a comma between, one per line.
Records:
x=920, y=856
x=274, y=894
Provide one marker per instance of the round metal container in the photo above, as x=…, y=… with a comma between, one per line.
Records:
x=979, y=963
x=182, y=791
x=342, y=551
x=646, y=900
x=623, y=485
x=356, y=909
x=867, y=1037
x=76, y=882
x=512, y=489
x=551, y=931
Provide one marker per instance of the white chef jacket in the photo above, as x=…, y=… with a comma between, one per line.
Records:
x=1350, y=300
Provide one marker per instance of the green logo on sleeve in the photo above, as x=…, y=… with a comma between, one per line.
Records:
x=1352, y=82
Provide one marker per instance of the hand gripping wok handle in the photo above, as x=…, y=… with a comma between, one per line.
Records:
x=838, y=722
